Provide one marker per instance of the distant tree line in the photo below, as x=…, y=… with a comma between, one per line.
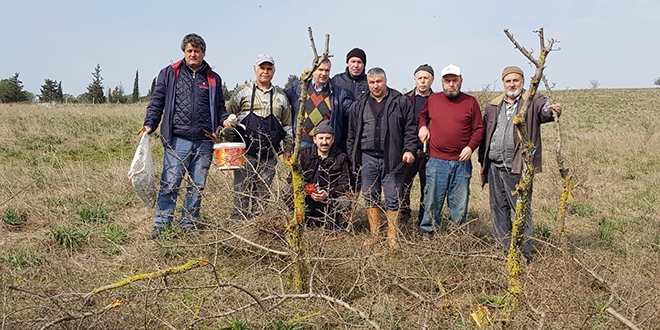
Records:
x=11, y=91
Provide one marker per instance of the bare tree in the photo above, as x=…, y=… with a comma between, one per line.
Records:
x=296, y=225
x=524, y=187
x=594, y=83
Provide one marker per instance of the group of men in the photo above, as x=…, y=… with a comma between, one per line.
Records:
x=358, y=134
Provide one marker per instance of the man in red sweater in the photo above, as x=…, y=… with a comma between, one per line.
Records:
x=451, y=121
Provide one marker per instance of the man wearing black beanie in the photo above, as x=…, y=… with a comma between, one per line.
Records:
x=353, y=79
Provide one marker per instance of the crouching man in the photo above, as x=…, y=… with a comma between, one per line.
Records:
x=326, y=175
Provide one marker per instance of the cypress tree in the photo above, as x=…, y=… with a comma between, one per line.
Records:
x=95, y=88
x=136, y=88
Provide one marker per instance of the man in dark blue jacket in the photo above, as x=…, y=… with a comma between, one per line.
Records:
x=188, y=99
x=354, y=78
x=381, y=138
x=326, y=102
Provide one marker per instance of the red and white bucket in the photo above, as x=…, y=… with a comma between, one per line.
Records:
x=229, y=155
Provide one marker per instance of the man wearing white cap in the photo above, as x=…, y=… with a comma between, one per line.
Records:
x=500, y=155
x=451, y=123
x=265, y=115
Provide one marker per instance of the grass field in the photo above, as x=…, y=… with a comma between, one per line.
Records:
x=72, y=223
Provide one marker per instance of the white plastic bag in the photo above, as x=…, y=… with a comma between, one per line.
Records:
x=141, y=175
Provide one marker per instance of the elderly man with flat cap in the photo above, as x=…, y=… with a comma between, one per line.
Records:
x=500, y=155
x=424, y=76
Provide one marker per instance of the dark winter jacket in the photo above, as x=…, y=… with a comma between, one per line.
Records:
x=333, y=175
x=411, y=97
x=340, y=101
x=203, y=84
x=401, y=135
x=537, y=114
x=355, y=85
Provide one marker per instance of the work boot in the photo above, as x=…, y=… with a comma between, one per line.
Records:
x=373, y=216
x=156, y=232
x=393, y=229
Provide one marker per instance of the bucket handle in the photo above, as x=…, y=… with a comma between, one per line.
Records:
x=236, y=133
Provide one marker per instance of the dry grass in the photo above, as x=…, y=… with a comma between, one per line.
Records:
x=60, y=166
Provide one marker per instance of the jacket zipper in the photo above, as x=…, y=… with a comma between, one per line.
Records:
x=193, y=105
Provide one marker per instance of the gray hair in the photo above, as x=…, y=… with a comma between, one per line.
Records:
x=376, y=72
x=195, y=40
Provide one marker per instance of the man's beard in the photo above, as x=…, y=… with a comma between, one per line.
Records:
x=514, y=93
x=453, y=94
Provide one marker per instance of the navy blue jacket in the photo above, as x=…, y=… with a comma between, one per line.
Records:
x=356, y=85
x=163, y=99
x=340, y=102
x=401, y=135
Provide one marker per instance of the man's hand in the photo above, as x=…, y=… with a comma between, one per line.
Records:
x=227, y=125
x=408, y=157
x=556, y=107
x=144, y=129
x=423, y=134
x=466, y=153
x=319, y=195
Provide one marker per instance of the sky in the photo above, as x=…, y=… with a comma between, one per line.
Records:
x=612, y=42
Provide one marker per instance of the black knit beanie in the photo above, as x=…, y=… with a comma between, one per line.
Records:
x=359, y=53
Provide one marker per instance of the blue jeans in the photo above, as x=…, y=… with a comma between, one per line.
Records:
x=183, y=156
x=450, y=180
x=374, y=179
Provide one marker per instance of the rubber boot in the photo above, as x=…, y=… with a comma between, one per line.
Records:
x=393, y=229
x=373, y=215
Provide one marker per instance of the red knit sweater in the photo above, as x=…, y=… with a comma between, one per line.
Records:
x=453, y=124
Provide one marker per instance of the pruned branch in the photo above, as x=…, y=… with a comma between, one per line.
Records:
x=193, y=263
x=522, y=49
x=70, y=317
x=245, y=240
x=313, y=44
x=621, y=318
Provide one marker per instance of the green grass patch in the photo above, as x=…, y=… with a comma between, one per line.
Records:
x=68, y=236
x=92, y=213
x=20, y=258
x=235, y=324
x=115, y=234
x=542, y=230
x=287, y=325
x=46, y=143
x=607, y=228
x=584, y=209
x=13, y=218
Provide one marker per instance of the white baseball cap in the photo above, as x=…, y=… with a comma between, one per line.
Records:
x=263, y=58
x=451, y=69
